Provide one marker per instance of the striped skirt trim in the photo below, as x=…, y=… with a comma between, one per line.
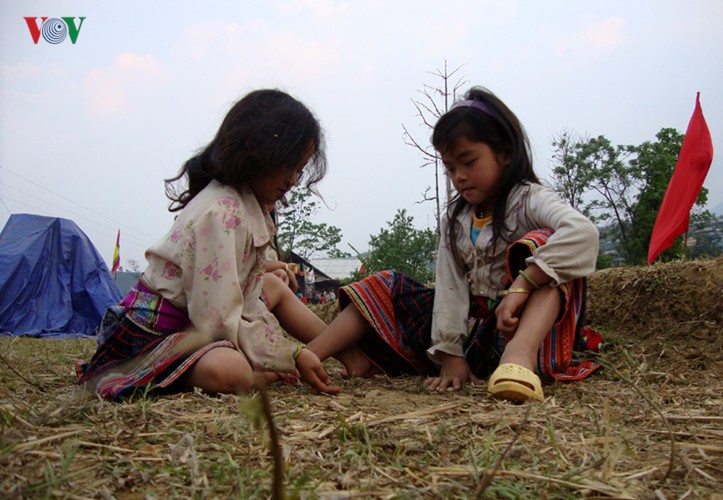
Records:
x=399, y=309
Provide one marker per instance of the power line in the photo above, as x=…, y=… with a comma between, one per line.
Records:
x=151, y=238
x=97, y=225
x=6, y=207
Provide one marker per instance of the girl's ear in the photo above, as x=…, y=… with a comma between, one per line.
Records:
x=504, y=158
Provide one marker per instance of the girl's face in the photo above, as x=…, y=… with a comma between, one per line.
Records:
x=475, y=170
x=268, y=190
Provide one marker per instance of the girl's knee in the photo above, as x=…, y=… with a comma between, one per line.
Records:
x=230, y=379
x=275, y=289
x=224, y=371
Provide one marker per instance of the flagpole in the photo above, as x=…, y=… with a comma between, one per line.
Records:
x=115, y=266
x=685, y=246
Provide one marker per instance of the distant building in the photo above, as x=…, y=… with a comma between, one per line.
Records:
x=337, y=268
x=327, y=272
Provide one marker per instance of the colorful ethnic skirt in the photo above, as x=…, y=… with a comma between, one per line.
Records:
x=399, y=309
x=143, y=348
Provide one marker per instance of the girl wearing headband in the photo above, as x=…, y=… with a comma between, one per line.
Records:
x=510, y=287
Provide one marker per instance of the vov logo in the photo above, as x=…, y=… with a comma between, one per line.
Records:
x=54, y=30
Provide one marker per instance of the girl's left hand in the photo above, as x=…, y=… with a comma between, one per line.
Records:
x=311, y=372
x=453, y=374
x=282, y=271
x=509, y=311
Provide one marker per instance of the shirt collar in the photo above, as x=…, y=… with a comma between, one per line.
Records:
x=260, y=224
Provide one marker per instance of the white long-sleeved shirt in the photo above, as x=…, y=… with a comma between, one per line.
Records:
x=570, y=253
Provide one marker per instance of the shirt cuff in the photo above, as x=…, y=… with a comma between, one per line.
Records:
x=451, y=348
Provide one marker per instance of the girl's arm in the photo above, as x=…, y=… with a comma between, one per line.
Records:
x=223, y=288
x=509, y=310
x=451, y=303
x=449, y=322
x=571, y=252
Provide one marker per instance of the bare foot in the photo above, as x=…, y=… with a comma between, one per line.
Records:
x=271, y=377
x=355, y=363
x=520, y=354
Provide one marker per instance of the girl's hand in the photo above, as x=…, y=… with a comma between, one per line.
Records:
x=509, y=311
x=282, y=271
x=454, y=373
x=311, y=372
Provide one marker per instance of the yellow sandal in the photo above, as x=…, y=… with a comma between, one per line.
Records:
x=515, y=383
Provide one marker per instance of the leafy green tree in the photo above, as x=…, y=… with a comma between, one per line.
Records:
x=403, y=248
x=297, y=232
x=707, y=231
x=613, y=184
x=654, y=162
x=569, y=177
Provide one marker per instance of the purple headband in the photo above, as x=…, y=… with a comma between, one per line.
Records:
x=472, y=103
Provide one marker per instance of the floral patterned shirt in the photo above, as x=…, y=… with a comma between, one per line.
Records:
x=211, y=264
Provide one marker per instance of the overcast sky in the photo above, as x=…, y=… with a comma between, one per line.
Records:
x=88, y=131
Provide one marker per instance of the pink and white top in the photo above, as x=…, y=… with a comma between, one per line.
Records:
x=211, y=264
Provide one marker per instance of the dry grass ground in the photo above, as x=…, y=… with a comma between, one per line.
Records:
x=648, y=426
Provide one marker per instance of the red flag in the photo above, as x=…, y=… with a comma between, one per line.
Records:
x=116, y=255
x=696, y=155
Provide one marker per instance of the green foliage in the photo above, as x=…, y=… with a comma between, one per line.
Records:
x=403, y=248
x=707, y=230
x=619, y=187
x=568, y=175
x=604, y=261
x=297, y=232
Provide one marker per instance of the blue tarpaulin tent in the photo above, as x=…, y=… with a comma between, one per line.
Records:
x=53, y=281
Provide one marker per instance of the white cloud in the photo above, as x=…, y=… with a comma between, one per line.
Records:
x=210, y=39
x=121, y=87
x=595, y=38
x=24, y=72
x=323, y=11
x=302, y=57
x=236, y=56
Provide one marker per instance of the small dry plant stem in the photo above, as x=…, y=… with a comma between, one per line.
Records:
x=488, y=475
x=606, y=365
x=275, y=447
x=12, y=368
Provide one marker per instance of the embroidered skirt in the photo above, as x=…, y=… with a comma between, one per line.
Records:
x=399, y=309
x=143, y=348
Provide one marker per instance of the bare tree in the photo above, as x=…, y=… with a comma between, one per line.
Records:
x=435, y=102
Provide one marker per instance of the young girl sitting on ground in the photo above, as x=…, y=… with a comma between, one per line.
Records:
x=510, y=285
x=195, y=318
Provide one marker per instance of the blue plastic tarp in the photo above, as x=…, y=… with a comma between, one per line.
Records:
x=53, y=281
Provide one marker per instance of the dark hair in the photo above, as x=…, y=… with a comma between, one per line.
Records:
x=498, y=127
x=264, y=132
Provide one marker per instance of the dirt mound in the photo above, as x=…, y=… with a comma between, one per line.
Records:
x=653, y=299
x=671, y=311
